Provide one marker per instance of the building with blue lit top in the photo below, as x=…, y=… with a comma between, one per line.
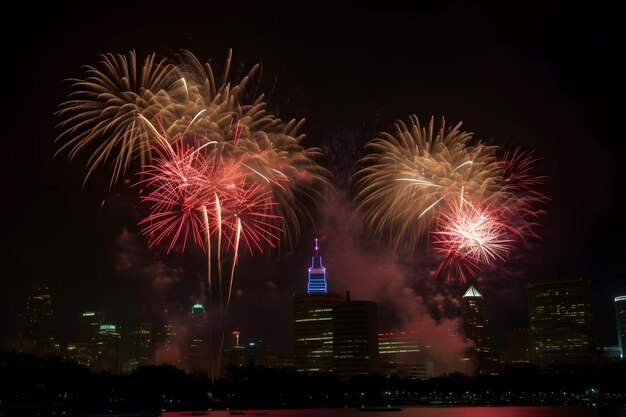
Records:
x=317, y=273
x=313, y=321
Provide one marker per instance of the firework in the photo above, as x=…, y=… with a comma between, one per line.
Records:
x=523, y=204
x=122, y=113
x=215, y=164
x=470, y=237
x=238, y=118
x=443, y=181
x=195, y=191
x=102, y=112
x=407, y=177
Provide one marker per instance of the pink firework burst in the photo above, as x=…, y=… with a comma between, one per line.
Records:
x=523, y=203
x=470, y=237
x=176, y=184
x=195, y=193
x=250, y=209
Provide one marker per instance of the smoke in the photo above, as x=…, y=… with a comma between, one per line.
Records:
x=409, y=297
x=133, y=260
x=170, y=346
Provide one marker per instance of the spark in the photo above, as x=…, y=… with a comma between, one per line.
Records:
x=471, y=237
x=419, y=182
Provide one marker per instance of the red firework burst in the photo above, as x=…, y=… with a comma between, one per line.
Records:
x=470, y=237
x=194, y=192
x=522, y=205
x=176, y=183
x=253, y=208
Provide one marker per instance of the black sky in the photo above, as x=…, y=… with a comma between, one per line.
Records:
x=544, y=77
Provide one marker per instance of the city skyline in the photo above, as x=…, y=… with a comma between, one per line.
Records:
x=334, y=334
x=84, y=243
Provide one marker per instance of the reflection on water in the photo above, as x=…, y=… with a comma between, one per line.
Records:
x=578, y=411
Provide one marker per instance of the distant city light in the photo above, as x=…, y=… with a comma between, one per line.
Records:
x=108, y=327
x=620, y=298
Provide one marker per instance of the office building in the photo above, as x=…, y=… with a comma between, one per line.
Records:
x=403, y=354
x=108, y=348
x=198, y=340
x=313, y=321
x=475, y=323
x=82, y=353
x=90, y=322
x=37, y=333
x=138, y=347
x=355, y=344
x=85, y=350
x=332, y=334
x=561, y=325
x=313, y=331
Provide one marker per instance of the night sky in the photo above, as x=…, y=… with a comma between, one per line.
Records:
x=541, y=77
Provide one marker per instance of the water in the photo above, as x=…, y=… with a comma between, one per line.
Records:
x=573, y=411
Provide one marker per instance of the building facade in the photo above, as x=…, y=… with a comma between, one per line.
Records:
x=403, y=354
x=355, y=344
x=313, y=331
x=561, y=325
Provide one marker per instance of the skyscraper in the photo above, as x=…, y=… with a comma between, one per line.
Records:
x=475, y=323
x=108, y=345
x=355, y=344
x=137, y=347
x=561, y=326
x=620, y=311
x=37, y=335
x=90, y=322
x=198, y=346
x=317, y=273
x=313, y=331
x=313, y=321
x=86, y=350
